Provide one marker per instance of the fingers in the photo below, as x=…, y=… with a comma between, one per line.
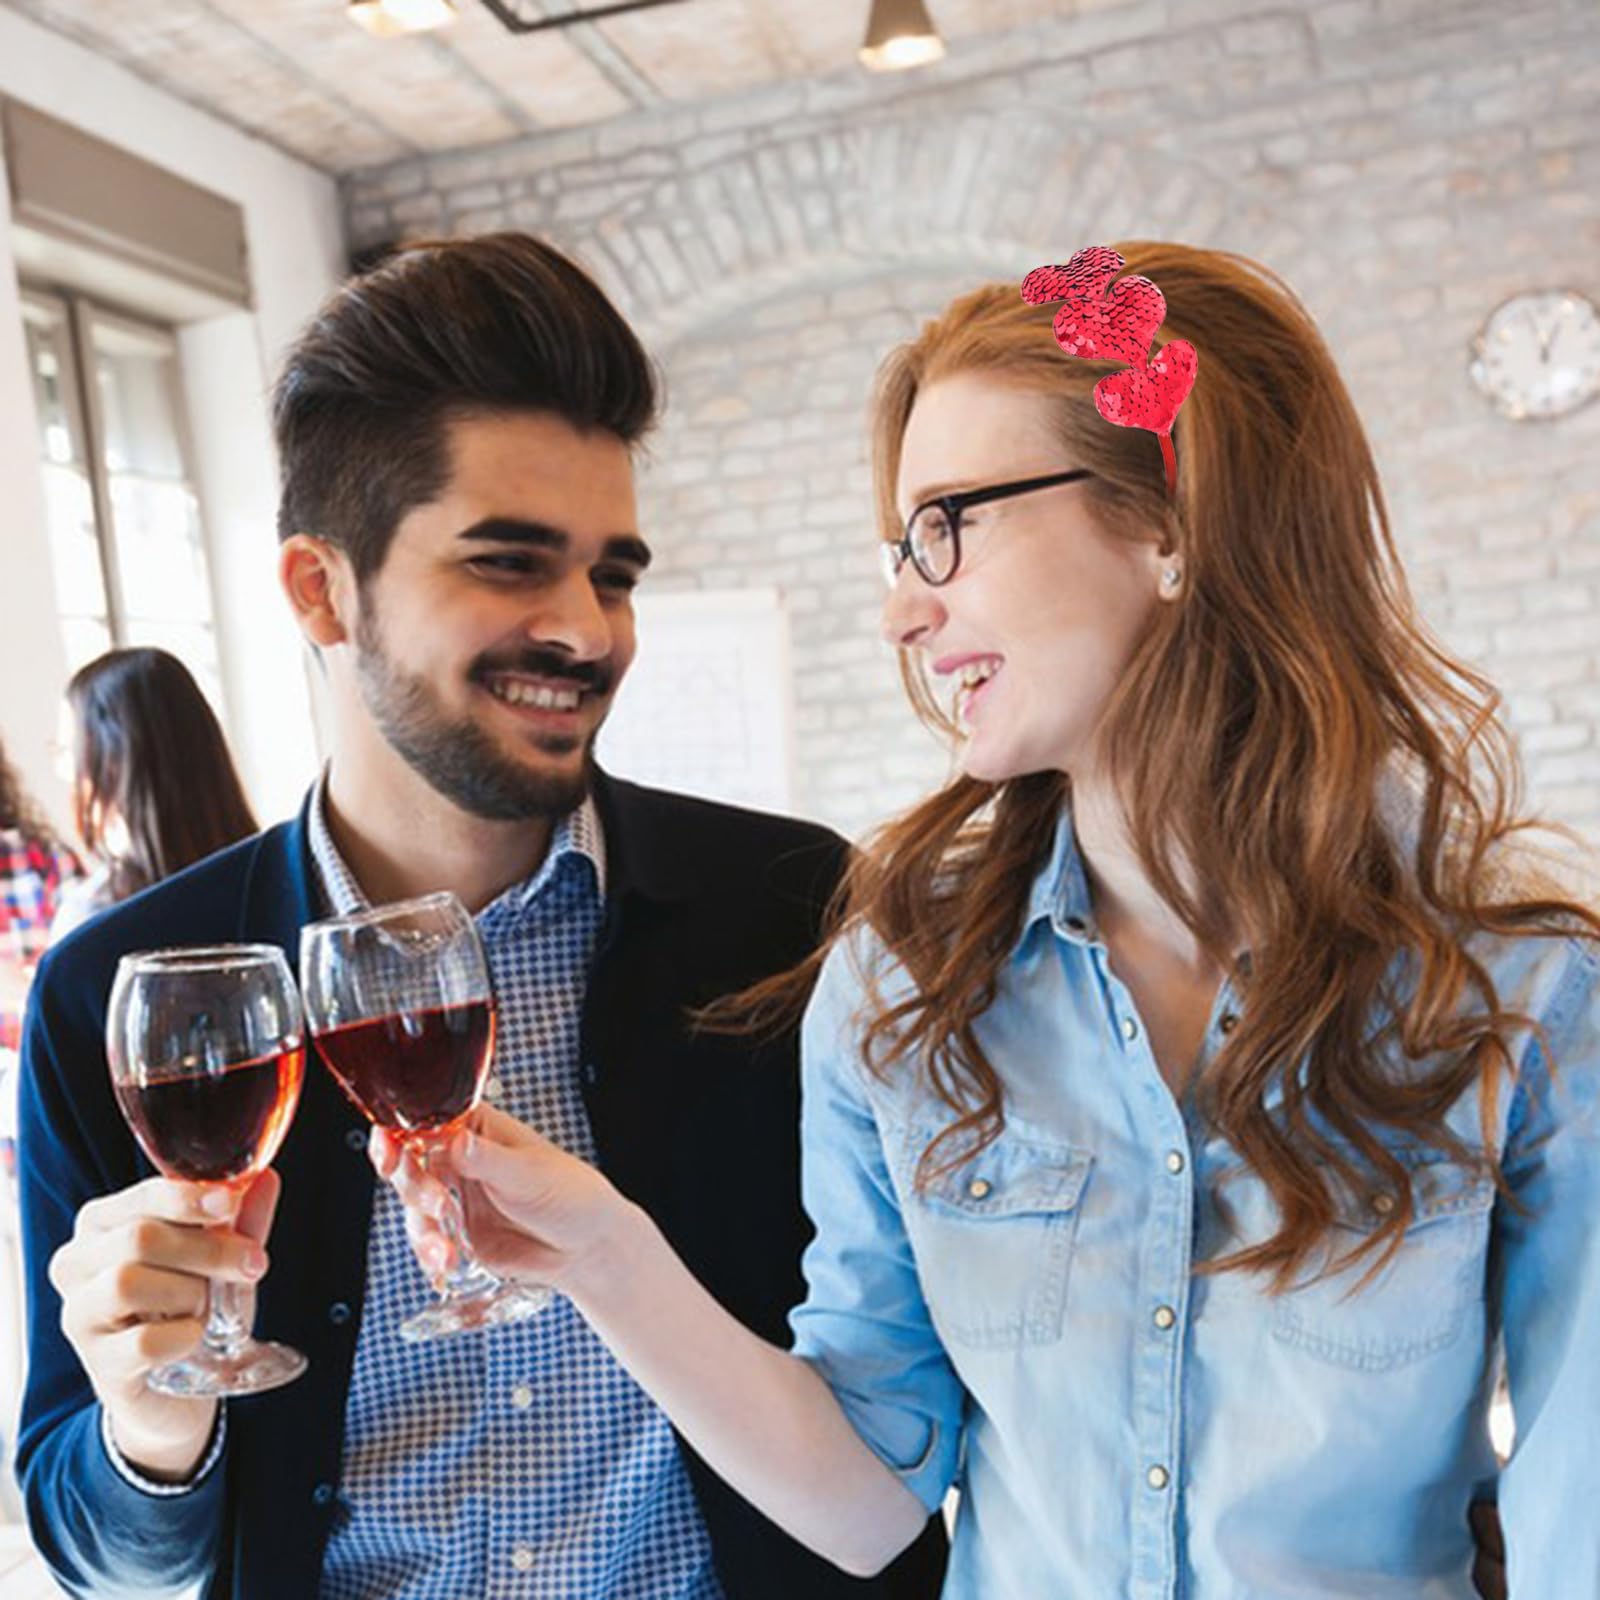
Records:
x=258, y=1206
x=503, y=1129
x=418, y=1188
x=162, y=1198
x=384, y=1151
x=134, y=1293
x=520, y=1168
x=96, y=1275
x=127, y=1357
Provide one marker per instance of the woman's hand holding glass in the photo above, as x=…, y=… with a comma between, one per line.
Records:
x=530, y=1212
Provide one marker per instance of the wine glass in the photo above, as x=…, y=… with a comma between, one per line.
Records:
x=399, y=1003
x=207, y=1056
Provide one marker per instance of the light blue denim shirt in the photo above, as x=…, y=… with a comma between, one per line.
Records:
x=1031, y=1327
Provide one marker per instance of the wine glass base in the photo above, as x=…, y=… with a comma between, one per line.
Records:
x=493, y=1308
x=250, y=1370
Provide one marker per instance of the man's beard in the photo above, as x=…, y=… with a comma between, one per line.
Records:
x=454, y=756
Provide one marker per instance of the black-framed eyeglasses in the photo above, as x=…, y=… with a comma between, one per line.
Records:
x=932, y=542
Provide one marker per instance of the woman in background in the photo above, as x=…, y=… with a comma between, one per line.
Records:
x=154, y=787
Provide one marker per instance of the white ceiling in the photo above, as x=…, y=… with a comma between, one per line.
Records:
x=301, y=75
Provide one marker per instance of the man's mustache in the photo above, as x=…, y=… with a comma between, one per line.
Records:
x=594, y=677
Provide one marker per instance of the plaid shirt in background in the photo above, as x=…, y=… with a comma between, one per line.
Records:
x=32, y=872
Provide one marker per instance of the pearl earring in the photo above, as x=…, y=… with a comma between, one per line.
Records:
x=1171, y=578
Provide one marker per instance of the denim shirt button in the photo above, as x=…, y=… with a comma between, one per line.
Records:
x=1174, y=1161
x=1130, y=1029
x=1158, y=1477
x=1383, y=1204
x=1165, y=1317
x=1227, y=1022
x=980, y=1188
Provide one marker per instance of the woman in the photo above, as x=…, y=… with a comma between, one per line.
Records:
x=154, y=787
x=1200, y=1081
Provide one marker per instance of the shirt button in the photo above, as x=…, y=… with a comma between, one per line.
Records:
x=338, y=1313
x=1130, y=1029
x=1227, y=1022
x=356, y=1139
x=522, y=1397
x=979, y=1188
x=1077, y=925
x=1383, y=1204
x=590, y=1073
x=522, y=1558
x=1174, y=1161
x=322, y=1494
x=1165, y=1317
x=1158, y=1477
x=493, y=1089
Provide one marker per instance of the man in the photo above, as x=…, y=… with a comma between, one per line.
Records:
x=459, y=546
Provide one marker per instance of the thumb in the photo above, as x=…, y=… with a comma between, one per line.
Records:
x=259, y=1206
x=515, y=1171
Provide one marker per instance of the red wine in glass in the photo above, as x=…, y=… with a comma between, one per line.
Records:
x=207, y=1054
x=221, y=1127
x=414, y=1072
x=399, y=1004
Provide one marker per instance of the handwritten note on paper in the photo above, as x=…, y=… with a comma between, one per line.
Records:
x=708, y=707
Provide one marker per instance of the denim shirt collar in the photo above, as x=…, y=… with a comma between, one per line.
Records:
x=1061, y=889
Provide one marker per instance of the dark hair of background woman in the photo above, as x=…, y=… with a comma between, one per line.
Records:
x=149, y=746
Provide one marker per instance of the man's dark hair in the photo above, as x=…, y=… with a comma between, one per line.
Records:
x=440, y=330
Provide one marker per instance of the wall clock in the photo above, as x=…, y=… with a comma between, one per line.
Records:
x=1538, y=355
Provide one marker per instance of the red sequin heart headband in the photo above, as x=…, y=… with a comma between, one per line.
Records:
x=1102, y=320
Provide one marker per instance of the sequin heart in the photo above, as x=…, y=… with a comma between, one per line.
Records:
x=1149, y=396
x=1087, y=273
x=1117, y=326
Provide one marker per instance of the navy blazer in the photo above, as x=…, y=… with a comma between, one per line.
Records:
x=701, y=1130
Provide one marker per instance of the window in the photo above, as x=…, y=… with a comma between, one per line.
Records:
x=125, y=535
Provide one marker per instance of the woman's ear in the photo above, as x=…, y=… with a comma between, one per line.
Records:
x=1165, y=567
x=320, y=585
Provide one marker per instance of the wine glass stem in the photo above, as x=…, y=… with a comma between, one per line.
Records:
x=226, y=1332
x=465, y=1275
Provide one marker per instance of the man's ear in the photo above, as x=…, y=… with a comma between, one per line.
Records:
x=321, y=588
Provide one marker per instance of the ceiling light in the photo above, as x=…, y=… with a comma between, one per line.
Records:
x=517, y=18
x=386, y=18
x=900, y=34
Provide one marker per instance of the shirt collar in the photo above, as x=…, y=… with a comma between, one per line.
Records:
x=1061, y=889
x=579, y=835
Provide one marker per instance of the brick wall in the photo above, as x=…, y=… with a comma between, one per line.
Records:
x=1405, y=164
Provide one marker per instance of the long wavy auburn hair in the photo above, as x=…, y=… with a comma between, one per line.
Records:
x=1257, y=743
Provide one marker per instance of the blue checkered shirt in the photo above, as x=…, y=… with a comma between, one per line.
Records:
x=522, y=1462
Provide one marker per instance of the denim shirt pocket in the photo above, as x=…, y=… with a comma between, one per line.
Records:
x=994, y=1236
x=1419, y=1302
